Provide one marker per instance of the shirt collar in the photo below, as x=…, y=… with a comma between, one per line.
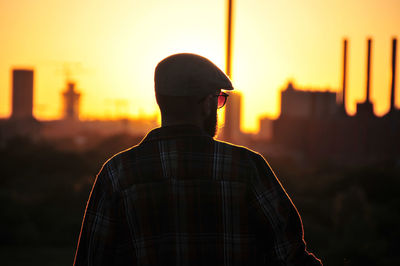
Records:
x=175, y=131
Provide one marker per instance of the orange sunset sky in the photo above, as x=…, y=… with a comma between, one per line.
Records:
x=112, y=47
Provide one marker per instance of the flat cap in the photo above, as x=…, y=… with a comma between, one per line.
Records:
x=189, y=75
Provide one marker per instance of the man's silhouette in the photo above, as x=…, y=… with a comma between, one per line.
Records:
x=182, y=198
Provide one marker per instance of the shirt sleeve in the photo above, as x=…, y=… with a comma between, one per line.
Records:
x=100, y=241
x=280, y=217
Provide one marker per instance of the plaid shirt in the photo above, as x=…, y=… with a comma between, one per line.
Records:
x=182, y=198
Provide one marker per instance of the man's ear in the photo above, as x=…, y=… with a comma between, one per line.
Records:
x=206, y=106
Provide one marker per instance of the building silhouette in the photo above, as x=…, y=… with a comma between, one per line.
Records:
x=71, y=102
x=22, y=94
x=265, y=129
x=313, y=124
x=22, y=122
x=231, y=131
x=66, y=133
x=307, y=104
x=71, y=132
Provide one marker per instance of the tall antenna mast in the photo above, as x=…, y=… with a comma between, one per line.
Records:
x=229, y=40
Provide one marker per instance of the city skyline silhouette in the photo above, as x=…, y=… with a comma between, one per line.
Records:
x=314, y=123
x=272, y=43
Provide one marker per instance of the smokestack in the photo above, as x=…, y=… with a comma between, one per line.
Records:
x=368, y=70
x=366, y=109
x=344, y=74
x=392, y=95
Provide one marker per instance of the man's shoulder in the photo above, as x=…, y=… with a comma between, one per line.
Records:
x=237, y=148
x=242, y=153
x=122, y=155
x=220, y=147
x=148, y=158
x=117, y=160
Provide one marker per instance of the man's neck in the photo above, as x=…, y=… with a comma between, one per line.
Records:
x=165, y=123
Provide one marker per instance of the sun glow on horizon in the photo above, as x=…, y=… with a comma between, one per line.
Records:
x=112, y=49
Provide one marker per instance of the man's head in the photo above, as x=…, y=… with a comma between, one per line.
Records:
x=187, y=88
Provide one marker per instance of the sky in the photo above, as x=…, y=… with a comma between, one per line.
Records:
x=110, y=49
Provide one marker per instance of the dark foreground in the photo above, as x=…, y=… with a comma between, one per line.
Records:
x=350, y=214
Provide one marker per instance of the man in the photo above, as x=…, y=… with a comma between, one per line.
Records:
x=182, y=198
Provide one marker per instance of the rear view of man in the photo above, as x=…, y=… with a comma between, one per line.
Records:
x=182, y=198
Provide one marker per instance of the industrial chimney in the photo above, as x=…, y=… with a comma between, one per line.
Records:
x=393, y=88
x=344, y=77
x=368, y=71
x=366, y=108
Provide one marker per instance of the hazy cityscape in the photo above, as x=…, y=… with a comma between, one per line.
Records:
x=312, y=123
x=341, y=170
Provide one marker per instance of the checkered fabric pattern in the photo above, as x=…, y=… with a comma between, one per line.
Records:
x=182, y=198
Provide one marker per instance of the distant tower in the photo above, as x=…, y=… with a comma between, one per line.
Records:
x=22, y=94
x=344, y=80
x=366, y=108
x=71, y=102
x=369, y=71
x=231, y=130
x=393, y=84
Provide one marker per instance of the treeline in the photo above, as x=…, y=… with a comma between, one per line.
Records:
x=350, y=214
x=43, y=191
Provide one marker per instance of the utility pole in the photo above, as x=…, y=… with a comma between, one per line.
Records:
x=229, y=40
x=227, y=132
